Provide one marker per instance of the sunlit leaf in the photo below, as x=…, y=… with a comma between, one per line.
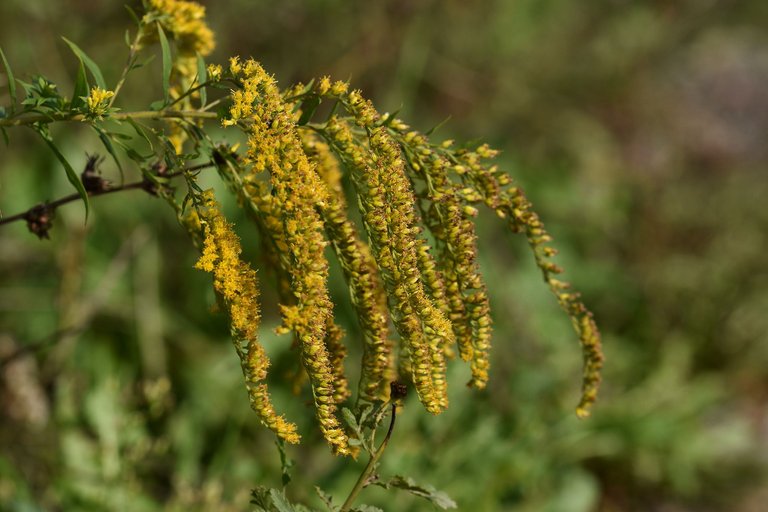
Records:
x=72, y=176
x=11, y=80
x=167, y=63
x=92, y=66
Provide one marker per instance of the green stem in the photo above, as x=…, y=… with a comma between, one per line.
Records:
x=132, y=53
x=28, y=119
x=362, y=481
x=143, y=184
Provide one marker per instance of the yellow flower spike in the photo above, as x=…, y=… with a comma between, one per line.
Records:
x=387, y=204
x=274, y=146
x=509, y=203
x=359, y=268
x=236, y=286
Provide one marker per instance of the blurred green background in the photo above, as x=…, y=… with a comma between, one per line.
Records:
x=638, y=129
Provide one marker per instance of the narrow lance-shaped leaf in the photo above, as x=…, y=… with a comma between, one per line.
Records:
x=105, y=139
x=202, y=77
x=308, y=108
x=11, y=81
x=81, y=88
x=166, y=50
x=89, y=63
x=141, y=132
x=438, y=498
x=72, y=176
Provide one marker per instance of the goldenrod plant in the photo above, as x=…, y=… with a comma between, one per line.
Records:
x=319, y=171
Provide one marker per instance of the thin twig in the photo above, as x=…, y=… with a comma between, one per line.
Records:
x=27, y=119
x=362, y=481
x=143, y=184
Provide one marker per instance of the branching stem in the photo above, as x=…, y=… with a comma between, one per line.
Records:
x=28, y=119
x=362, y=481
x=52, y=205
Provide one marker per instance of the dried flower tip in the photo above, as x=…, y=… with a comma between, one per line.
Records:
x=40, y=220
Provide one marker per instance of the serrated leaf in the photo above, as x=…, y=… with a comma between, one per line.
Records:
x=366, y=508
x=81, y=88
x=280, y=502
x=11, y=80
x=92, y=66
x=104, y=137
x=202, y=77
x=260, y=495
x=326, y=498
x=349, y=417
x=426, y=491
x=167, y=63
x=308, y=106
x=72, y=176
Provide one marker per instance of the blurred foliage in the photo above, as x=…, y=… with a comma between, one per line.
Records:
x=638, y=129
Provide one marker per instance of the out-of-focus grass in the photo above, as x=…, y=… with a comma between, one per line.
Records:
x=636, y=128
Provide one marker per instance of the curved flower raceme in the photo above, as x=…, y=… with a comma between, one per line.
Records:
x=235, y=284
x=289, y=180
x=274, y=146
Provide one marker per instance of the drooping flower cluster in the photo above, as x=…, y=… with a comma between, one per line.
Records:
x=416, y=264
x=237, y=289
x=290, y=202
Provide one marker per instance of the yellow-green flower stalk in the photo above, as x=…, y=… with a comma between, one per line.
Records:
x=510, y=203
x=450, y=219
x=274, y=146
x=387, y=204
x=235, y=284
x=359, y=268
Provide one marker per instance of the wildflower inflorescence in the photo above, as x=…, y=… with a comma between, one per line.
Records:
x=396, y=210
x=411, y=259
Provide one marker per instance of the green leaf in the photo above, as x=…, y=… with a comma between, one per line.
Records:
x=326, y=498
x=280, y=502
x=72, y=176
x=349, y=417
x=308, y=109
x=202, y=77
x=104, y=136
x=427, y=492
x=92, y=66
x=260, y=495
x=366, y=508
x=5, y=135
x=81, y=88
x=133, y=15
x=285, y=462
x=167, y=63
x=11, y=80
x=141, y=132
